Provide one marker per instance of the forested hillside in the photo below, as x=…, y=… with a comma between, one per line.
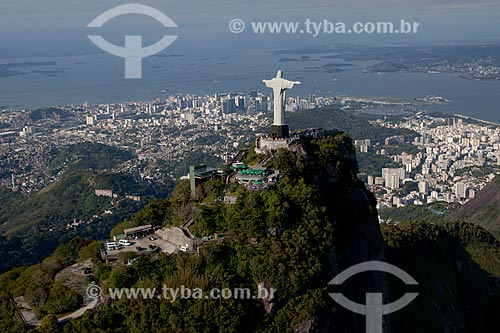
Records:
x=484, y=208
x=31, y=227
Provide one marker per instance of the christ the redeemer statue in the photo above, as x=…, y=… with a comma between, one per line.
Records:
x=279, y=86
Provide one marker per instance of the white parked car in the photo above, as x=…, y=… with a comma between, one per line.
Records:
x=111, y=246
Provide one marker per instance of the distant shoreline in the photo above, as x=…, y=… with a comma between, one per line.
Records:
x=476, y=119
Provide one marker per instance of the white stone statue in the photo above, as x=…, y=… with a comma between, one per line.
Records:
x=279, y=86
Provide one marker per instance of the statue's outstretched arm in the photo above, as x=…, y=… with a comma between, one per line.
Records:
x=289, y=84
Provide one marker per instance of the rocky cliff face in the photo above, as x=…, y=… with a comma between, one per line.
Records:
x=358, y=237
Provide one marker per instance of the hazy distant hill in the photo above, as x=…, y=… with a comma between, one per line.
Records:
x=484, y=209
x=354, y=124
x=52, y=113
x=87, y=155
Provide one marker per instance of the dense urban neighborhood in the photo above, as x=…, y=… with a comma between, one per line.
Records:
x=447, y=159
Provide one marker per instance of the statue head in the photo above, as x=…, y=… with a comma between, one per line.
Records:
x=280, y=74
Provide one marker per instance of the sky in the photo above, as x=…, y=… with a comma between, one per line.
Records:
x=59, y=27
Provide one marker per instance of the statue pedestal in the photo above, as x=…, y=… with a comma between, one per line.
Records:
x=280, y=131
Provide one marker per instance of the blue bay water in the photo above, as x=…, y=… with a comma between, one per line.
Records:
x=99, y=78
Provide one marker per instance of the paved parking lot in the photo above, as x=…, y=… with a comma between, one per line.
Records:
x=142, y=245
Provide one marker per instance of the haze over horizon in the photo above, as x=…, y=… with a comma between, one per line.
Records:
x=59, y=27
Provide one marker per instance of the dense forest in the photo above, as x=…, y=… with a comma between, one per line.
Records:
x=457, y=265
